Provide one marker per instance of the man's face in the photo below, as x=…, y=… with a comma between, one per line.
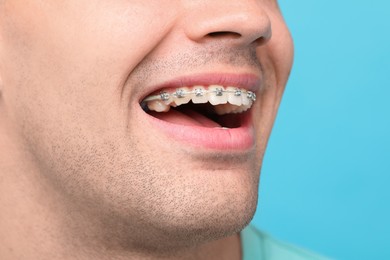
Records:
x=73, y=75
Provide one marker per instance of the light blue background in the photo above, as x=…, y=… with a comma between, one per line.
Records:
x=325, y=182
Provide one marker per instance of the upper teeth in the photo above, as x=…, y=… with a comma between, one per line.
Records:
x=219, y=96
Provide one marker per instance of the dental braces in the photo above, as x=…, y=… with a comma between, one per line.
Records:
x=180, y=93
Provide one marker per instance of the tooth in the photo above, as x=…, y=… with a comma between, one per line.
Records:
x=234, y=96
x=199, y=95
x=245, y=100
x=158, y=106
x=245, y=108
x=217, y=95
x=251, y=96
x=241, y=109
x=224, y=109
x=166, y=97
x=236, y=110
x=181, y=96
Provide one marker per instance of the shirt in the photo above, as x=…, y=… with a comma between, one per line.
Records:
x=257, y=245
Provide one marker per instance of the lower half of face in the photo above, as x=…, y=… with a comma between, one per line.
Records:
x=151, y=122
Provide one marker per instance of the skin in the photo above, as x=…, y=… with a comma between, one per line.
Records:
x=81, y=175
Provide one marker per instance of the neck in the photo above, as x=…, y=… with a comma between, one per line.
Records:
x=38, y=222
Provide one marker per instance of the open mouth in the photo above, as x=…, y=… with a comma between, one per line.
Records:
x=214, y=106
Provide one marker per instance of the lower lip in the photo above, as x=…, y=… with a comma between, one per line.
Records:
x=234, y=139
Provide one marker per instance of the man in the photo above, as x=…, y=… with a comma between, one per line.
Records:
x=135, y=129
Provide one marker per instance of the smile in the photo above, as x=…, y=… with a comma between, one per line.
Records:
x=229, y=100
x=214, y=116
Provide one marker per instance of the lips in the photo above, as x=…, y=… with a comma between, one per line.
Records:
x=205, y=111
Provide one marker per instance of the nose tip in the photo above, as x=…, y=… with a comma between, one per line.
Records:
x=243, y=29
x=240, y=22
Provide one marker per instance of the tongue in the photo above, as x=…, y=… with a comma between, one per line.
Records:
x=188, y=118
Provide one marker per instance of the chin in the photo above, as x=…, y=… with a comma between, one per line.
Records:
x=206, y=213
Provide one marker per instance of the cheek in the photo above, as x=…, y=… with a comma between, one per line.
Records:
x=69, y=65
x=76, y=56
x=279, y=54
x=276, y=58
x=281, y=50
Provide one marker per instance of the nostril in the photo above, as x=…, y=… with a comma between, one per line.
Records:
x=224, y=34
x=265, y=37
x=219, y=35
x=261, y=40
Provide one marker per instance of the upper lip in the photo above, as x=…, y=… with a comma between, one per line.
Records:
x=247, y=81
